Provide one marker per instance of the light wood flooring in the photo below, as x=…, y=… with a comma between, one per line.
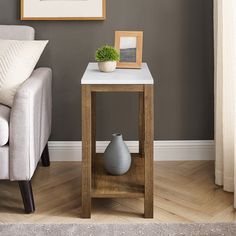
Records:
x=184, y=192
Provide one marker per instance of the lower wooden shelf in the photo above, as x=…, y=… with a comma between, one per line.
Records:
x=130, y=185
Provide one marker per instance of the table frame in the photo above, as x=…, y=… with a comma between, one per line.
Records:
x=146, y=136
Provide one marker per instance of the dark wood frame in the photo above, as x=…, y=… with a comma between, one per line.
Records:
x=138, y=181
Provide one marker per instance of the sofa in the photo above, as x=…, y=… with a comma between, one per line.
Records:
x=26, y=126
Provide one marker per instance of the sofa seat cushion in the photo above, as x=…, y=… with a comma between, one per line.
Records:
x=4, y=124
x=4, y=163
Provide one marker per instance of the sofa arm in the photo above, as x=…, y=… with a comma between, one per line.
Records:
x=30, y=124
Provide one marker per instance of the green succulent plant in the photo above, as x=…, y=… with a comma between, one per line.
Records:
x=107, y=53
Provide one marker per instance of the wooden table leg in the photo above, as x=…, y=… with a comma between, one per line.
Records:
x=141, y=124
x=86, y=151
x=148, y=150
x=93, y=128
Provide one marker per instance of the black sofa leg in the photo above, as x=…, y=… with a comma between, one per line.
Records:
x=45, y=157
x=27, y=196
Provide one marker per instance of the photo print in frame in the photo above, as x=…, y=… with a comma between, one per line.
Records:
x=130, y=46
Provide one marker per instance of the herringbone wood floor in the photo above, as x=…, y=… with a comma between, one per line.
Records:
x=184, y=192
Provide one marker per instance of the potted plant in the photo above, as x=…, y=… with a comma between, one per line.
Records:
x=107, y=57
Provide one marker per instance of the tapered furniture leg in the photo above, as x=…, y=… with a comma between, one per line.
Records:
x=86, y=151
x=148, y=150
x=45, y=157
x=27, y=196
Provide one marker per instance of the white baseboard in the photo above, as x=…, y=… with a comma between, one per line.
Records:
x=187, y=150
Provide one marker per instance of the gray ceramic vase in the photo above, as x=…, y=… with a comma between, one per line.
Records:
x=117, y=158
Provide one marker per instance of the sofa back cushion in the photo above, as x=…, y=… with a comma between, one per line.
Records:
x=16, y=32
x=4, y=124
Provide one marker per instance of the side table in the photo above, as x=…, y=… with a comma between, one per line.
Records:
x=138, y=181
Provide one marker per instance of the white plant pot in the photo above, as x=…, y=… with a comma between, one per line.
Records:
x=107, y=66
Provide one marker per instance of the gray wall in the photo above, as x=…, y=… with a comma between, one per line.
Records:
x=178, y=46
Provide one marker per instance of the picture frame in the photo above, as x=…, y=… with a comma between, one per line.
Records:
x=130, y=46
x=63, y=10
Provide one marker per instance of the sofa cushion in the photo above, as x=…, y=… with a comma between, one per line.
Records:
x=4, y=124
x=4, y=162
x=17, y=61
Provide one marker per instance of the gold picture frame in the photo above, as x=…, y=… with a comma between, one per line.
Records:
x=130, y=46
x=25, y=4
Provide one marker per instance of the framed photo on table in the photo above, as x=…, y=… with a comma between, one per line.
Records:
x=63, y=9
x=130, y=46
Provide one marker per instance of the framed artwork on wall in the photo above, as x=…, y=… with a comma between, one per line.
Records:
x=130, y=46
x=63, y=9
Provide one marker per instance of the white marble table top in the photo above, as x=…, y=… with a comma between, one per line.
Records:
x=120, y=76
